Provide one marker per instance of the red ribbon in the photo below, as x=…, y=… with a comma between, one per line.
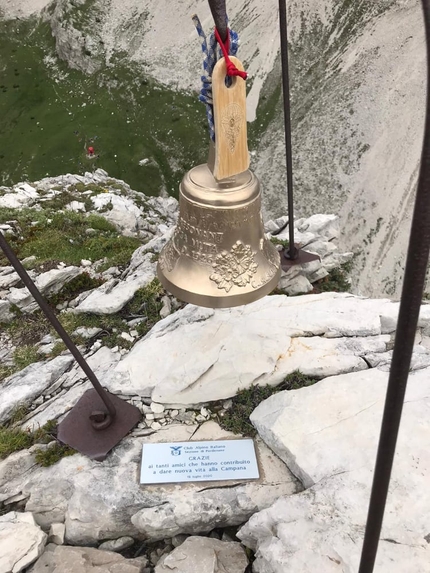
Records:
x=231, y=68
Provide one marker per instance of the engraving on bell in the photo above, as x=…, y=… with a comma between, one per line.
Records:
x=219, y=256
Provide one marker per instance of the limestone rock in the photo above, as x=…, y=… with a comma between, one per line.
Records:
x=57, y=532
x=61, y=559
x=48, y=283
x=74, y=384
x=333, y=426
x=117, y=545
x=204, y=555
x=21, y=541
x=123, y=212
x=296, y=285
x=105, y=300
x=261, y=337
x=5, y=313
x=9, y=280
x=108, y=511
x=87, y=333
x=328, y=435
x=21, y=388
x=325, y=225
x=321, y=529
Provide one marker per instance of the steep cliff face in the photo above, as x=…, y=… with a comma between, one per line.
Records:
x=358, y=85
x=358, y=113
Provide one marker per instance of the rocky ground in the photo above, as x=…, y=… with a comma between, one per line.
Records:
x=195, y=374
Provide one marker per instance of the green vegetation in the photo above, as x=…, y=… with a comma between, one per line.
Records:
x=236, y=419
x=283, y=242
x=50, y=456
x=145, y=304
x=27, y=329
x=14, y=439
x=53, y=236
x=336, y=281
x=50, y=114
x=24, y=356
x=75, y=287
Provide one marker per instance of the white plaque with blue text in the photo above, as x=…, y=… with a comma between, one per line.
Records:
x=198, y=461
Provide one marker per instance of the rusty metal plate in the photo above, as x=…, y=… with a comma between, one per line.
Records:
x=77, y=431
x=302, y=258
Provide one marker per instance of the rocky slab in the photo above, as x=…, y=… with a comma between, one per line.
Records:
x=321, y=530
x=204, y=555
x=103, y=501
x=60, y=559
x=113, y=296
x=21, y=541
x=327, y=435
x=198, y=355
x=22, y=388
x=333, y=426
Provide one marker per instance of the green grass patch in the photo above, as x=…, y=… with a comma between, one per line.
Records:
x=336, y=281
x=236, y=419
x=284, y=243
x=75, y=287
x=145, y=304
x=61, y=236
x=50, y=114
x=14, y=439
x=50, y=456
x=24, y=356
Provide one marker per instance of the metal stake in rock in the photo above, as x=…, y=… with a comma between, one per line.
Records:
x=100, y=420
x=293, y=255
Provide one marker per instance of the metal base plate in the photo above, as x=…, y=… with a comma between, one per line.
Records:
x=302, y=258
x=77, y=431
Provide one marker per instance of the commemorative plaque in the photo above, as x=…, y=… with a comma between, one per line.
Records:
x=198, y=461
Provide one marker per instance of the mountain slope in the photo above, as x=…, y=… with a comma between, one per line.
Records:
x=358, y=88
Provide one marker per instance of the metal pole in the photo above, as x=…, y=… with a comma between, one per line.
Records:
x=413, y=286
x=292, y=251
x=97, y=420
x=219, y=14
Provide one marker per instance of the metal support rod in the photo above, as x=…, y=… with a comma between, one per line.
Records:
x=413, y=286
x=97, y=422
x=292, y=252
x=219, y=13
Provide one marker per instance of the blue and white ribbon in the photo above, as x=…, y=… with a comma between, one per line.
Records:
x=211, y=54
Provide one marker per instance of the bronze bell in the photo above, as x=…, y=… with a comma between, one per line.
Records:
x=219, y=256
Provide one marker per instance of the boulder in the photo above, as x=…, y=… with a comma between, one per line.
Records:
x=61, y=559
x=111, y=298
x=193, y=355
x=100, y=501
x=327, y=435
x=333, y=426
x=22, y=388
x=204, y=555
x=5, y=312
x=21, y=541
